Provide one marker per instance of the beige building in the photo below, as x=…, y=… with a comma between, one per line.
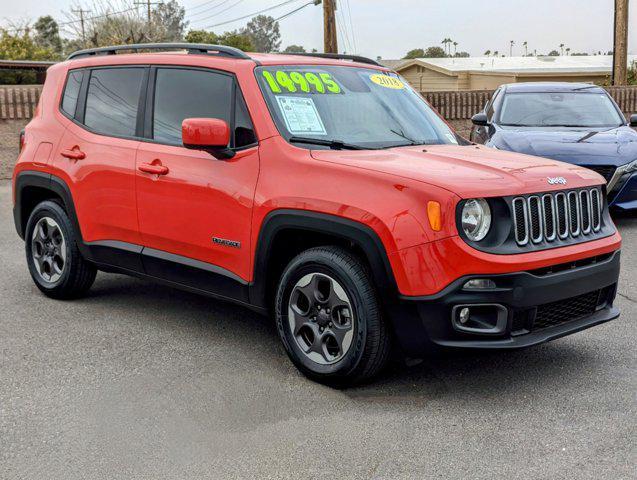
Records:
x=487, y=73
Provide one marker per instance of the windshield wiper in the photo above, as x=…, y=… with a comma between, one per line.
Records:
x=402, y=134
x=584, y=88
x=333, y=144
x=593, y=133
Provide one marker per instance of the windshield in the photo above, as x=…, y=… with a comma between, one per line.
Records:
x=355, y=107
x=567, y=109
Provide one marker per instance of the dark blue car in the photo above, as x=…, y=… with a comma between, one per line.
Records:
x=571, y=122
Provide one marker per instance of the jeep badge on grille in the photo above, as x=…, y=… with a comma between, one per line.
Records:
x=556, y=180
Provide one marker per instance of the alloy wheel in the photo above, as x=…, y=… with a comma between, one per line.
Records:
x=321, y=318
x=48, y=250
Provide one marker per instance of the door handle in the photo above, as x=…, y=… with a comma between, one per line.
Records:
x=74, y=153
x=153, y=169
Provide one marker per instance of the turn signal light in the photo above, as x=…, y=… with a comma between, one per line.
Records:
x=435, y=215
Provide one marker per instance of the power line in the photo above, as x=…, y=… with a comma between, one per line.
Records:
x=204, y=4
x=342, y=26
x=219, y=12
x=97, y=17
x=351, y=25
x=206, y=10
x=286, y=15
x=254, y=13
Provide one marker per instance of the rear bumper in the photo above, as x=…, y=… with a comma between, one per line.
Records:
x=535, y=306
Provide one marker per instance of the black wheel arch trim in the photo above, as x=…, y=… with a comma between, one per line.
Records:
x=47, y=181
x=360, y=234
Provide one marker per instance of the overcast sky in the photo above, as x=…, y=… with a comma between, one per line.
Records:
x=391, y=27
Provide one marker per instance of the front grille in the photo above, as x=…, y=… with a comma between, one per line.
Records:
x=574, y=213
x=557, y=313
x=605, y=171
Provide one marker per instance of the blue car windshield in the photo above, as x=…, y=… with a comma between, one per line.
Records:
x=564, y=109
x=358, y=107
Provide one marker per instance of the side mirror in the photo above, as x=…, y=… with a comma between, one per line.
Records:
x=633, y=120
x=480, y=119
x=209, y=134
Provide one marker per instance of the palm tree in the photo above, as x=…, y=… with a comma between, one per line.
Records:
x=568, y=50
x=445, y=42
x=562, y=48
x=487, y=53
x=526, y=49
x=511, y=48
x=455, y=47
x=495, y=54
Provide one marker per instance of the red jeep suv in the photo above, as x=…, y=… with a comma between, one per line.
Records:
x=320, y=188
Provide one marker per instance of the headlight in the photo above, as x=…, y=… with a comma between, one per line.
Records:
x=631, y=167
x=476, y=219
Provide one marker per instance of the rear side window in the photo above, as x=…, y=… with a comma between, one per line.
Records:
x=112, y=101
x=181, y=94
x=72, y=92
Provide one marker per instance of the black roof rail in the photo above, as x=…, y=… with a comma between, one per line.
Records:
x=194, y=48
x=338, y=56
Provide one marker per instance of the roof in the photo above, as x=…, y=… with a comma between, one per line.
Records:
x=392, y=63
x=25, y=64
x=520, y=65
x=538, y=87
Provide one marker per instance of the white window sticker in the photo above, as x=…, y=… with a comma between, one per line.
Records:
x=300, y=115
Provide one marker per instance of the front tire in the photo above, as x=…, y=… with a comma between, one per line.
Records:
x=55, y=262
x=329, y=317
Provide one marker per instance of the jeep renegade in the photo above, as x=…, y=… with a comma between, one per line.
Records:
x=320, y=188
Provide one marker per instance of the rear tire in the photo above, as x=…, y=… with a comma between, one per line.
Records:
x=55, y=262
x=329, y=318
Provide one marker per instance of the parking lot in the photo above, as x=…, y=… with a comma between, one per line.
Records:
x=142, y=381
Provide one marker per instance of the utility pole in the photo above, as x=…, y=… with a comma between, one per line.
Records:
x=148, y=3
x=620, y=48
x=330, y=44
x=80, y=11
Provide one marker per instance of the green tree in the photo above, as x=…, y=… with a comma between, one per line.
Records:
x=237, y=39
x=434, y=52
x=168, y=22
x=554, y=53
x=233, y=38
x=294, y=49
x=415, y=53
x=487, y=53
x=264, y=32
x=21, y=46
x=48, y=34
x=462, y=54
x=201, y=36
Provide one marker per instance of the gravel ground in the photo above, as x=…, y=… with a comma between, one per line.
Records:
x=142, y=381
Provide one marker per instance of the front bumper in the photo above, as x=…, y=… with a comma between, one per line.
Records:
x=538, y=306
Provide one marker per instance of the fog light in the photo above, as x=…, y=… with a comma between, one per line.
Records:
x=479, y=284
x=464, y=315
x=480, y=318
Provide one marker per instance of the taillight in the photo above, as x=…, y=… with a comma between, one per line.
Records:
x=21, y=140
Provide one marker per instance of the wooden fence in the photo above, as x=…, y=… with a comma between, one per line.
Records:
x=463, y=105
x=19, y=102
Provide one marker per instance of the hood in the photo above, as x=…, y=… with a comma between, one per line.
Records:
x=616, y=146
x=468, y=171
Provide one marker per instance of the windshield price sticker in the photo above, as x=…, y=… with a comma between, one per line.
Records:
x=387, y=81
x=300, y=115
x=281, y=81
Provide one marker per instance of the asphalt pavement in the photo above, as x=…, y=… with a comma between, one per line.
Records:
x=142, y=381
